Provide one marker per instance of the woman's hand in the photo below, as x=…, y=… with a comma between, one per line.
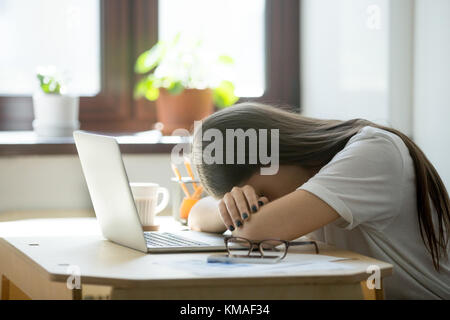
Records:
x=237, y=206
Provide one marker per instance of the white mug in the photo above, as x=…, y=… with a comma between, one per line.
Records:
x=146, y=196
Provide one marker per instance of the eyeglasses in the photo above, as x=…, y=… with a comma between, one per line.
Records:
x=267, y=249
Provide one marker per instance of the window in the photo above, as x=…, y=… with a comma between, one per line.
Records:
x=232, y=27
x=261, y=35
x=65, y=34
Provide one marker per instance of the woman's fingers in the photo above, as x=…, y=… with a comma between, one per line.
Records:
x=241, y=203
x=252, y=198
x=232, y=210
x=236, y=206
x=262, y=201
x=226, y=218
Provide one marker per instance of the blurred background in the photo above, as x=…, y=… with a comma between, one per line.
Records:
x=384, y=60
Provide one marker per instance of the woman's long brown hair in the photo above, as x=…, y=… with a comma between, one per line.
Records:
x=313, y=143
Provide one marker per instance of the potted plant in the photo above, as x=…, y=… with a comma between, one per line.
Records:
x=186, y=79
x=55, y=113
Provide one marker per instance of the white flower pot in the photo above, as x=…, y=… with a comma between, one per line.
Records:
x=55, y=115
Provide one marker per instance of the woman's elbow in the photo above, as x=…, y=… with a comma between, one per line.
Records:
x=204, y=217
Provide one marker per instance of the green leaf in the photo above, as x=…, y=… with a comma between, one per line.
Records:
x=45, y=88
x=150, y=58
x=40, y=78
x=224, y=94
x=176, y=39
x=175, y=88
x=147, y=62
x=226, y=59
x=49, y=84
x=54, y=86
x=146, y=88
x=152, y=93
x=140, y=88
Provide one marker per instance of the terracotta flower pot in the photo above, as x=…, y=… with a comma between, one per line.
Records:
x=181, y=110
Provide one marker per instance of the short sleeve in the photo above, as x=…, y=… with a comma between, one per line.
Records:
x=363, y=182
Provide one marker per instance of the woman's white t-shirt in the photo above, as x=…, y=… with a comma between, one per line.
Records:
x=371, y=185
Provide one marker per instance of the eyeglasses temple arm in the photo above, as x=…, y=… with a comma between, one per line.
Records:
x=298, y=243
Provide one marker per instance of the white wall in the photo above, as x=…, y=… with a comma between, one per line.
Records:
x=432, y=83
x=57, y=182
x=394, y=72
x=356, y=60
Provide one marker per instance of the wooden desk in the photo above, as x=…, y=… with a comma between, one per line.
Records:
x=35, y=255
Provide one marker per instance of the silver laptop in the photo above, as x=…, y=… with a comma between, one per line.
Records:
x=114, y=205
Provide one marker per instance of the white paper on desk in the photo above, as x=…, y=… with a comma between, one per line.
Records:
x=293, y=263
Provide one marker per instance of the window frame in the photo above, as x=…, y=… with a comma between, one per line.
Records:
x=131, y=27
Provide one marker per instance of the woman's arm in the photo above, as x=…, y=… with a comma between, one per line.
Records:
x=289, y=217
x=204, y=216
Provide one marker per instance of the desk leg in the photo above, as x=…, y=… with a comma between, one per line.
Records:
x=21, y=279
x=372, y=294
x=11, y=292
x=4, y=288
x=379, y=293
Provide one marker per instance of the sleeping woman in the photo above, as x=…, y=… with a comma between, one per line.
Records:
x=352, y=184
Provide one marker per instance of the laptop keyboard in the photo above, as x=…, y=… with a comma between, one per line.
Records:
x=166, y=239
